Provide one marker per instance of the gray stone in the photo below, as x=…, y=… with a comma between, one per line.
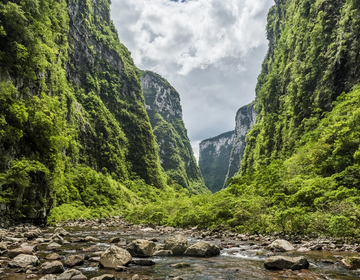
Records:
x=141, y=248
x=285, y=262
x=104, y=277
x=51, y=267
x=72, y=274
x=74, y=260
x=53, y=246
x=177, y=244
x=25, y=251
x=53, y=257
x=24, y=260
x=203, y=249
x=61, y=232
x=115, y=256
x=48, y=277
x=281, y=245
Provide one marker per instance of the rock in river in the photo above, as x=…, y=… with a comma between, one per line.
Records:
x=115, y=256
x=285, y=262
x=141, y=248
x=177, y=244
x=24, y=261
x=352, y=263
x=74, y=260
x=203, y=249
x=72, y=274
x=51, y=267
x=281, y=245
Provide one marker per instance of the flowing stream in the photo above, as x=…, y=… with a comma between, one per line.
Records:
x=244, y=260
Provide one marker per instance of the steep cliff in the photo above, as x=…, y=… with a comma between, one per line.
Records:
x=245, y=119
x=313, y=57
x=175, y=151
x=214, y=155
x=72, y=115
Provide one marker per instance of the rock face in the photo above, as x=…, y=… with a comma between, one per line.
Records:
x=24, y=261
x=281, y=245
x=220, y=156
x=284, y=262
x=115, y=256
x=203, y=249
x=175, y=151
x=177, y=244
x=141, y=248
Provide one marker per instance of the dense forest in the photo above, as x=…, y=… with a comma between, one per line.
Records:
x=76, y=141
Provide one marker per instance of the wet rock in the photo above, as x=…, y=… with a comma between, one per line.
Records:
x=32, y=276
x=91, y=239
x=203, y=249
x=177, y=244
x=3, y=246
x=53, y=246
x=351, y=263
x=135, y=277
x=121, y=268
x=281, y=245
x=141, y=248
x=15, y=252
x=23, y=261
x=163, y=253
x=74, y=260
x=94, y=259
x=72, y=274
x=115, y=256
x=114, y=240
x=48, y=277
x=53, y=257
x=30, y=235
x=61, y=232
x=104, y=277
x=148, y=230
x=91, y=249
x=284, y=262
x=316, y=247
x=51, y=267
x=143, y=262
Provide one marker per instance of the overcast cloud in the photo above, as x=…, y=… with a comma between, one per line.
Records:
x=210, y=50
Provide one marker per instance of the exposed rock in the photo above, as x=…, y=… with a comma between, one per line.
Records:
x=53, y=246
x=104, y=277
x=141, y=248
x=74, y=260
x=15, y=252
x=115, y=256
x=281, y=245
x=30, y=235
x=163, y=253
x=316, y=247
x=53, y=256
x=72, y=274
x=135, y=277
x=177, y=244
x=148, y=229
x=61, y=232
x=203, y=249
x=91, y=239
x=180, y=265
x=31, y=276
x=284, y=262
x=51, y=267
x=352, y=263
x=91, y=249
x=24, y=260
x=48, y=277
x=303, y=249
x=114, y=240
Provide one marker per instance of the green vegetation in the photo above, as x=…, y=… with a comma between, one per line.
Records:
x=73, y=128
x=175, y=151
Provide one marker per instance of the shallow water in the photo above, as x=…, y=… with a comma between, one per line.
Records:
x=241, y=262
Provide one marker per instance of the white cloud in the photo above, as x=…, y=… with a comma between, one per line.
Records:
x=209, y=50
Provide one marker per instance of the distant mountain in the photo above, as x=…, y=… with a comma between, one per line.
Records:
x=175, y=151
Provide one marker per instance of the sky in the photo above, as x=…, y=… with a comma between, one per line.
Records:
x=209, y=50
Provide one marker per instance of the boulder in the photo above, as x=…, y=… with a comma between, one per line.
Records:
x=281, y=245
x=91, y=239
x=51, y=267
x=72, y=274
x=141, y=248
x=53, y=246
x=177, y=244
x=104, y=277
x=22, y=250
x=352, y=263
x=115, y=256
x=61, y=232
x=24, y=260
x=203, y=249
x=91, y=249
x=74, y=260
x=114, y=240
x=53, y=257
x=162, y=253
x=48, y=277
x=285, y=262
x=30, y=235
